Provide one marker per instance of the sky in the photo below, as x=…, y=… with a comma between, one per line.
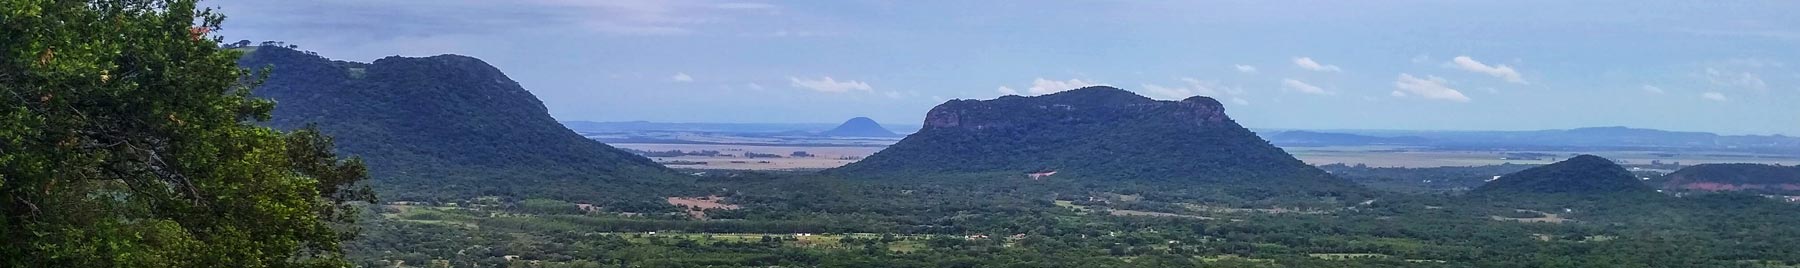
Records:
x=1729, y=67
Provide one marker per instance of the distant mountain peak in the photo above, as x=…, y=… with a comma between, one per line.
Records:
x=859, y=127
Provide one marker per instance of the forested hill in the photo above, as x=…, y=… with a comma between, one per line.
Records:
x=444, y=125
x=1754, y=178
x=1098, y=133
x=1580, y=175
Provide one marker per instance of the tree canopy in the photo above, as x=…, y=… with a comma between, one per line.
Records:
x=128, y=138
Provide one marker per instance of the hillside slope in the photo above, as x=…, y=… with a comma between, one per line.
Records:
x=444, y=124
x=1580, y=175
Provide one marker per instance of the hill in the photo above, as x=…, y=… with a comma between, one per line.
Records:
x=1755, y=178
x=444, y=126
x=859, y=127
x=1580, y=175
x=1095, y=134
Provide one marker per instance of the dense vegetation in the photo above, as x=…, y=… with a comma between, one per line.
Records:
x=803, y=220
x=125, y=141
x=451, y=126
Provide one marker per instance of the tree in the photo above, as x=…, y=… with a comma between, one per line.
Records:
x=128, y=139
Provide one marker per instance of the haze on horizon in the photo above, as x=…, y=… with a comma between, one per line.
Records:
x=1722, y=67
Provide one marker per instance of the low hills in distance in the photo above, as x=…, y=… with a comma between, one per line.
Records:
x=1593, y=137
x=1581, y=175
x=1094, y=134
x=443, y=126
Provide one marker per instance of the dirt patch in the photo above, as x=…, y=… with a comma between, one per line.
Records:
x=1546, y=218
x=697, y=206
x=1155, y=214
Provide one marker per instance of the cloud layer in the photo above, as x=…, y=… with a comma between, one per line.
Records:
x=1302, y=87
x=1431, y=87
x=829, y=85
x=1309, y=64
x=1502, y=71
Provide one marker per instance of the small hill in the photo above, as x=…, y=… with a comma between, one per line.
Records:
x=444, y=126
x=1095, y=134
x=1754, y=178
x=1580, y=175
x=859, y=127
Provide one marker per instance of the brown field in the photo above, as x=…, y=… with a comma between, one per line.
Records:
x=697, y=206
x=827, y=156
x=1547, y=218
x=1118, y=212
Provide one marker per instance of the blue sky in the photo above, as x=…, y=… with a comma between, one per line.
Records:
x=1721, y=66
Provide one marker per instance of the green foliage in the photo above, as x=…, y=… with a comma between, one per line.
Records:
x=125, y=142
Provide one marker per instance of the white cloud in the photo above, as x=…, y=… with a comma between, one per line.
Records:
x=1713, y=96
x=829, y=85
x=1500, y=70
x=681, y=77
x=893, y=94
x=1245, y=68
x=1309, y=64
x=1008, y=91
x=1239, y=101
x=1431, y=87
x=1733, y=79
x=754, y=86
x=1302, y=87
x=1653, y=89
x=1046, y=86
x=1421, y=58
